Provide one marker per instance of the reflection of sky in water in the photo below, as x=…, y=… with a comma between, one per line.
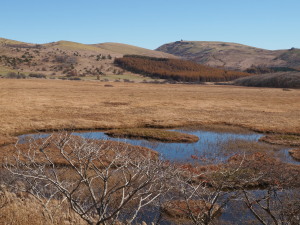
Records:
x=208, y=146
x=24, y=137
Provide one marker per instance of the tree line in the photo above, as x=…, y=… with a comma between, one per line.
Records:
x=175, y=69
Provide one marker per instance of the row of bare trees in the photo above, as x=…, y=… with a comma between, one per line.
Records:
x=107, y=183
x=175, y=69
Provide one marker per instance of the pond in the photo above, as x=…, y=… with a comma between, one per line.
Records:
x=214, y=146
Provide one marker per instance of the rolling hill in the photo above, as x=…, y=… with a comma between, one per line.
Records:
x=232, y=55
x=132, y=50
x=72, y=59
x=66, y=58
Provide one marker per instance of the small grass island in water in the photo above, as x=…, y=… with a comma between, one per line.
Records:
x=153, y=134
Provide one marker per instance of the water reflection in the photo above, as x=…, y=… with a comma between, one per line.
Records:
x=210, y=145
x=213, y=146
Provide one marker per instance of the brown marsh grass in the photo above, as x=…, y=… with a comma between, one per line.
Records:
x=282, y=139
x=37, y=105
x=53, y=152
x=153, y=134
x=295, y=153
x=23, y=209
x=248, y=147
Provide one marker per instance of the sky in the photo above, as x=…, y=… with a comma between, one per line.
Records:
x=269, y=24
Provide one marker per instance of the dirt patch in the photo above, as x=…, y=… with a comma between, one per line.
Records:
x=153, y=134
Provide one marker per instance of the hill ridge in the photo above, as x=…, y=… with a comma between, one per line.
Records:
x=114, y=47
x=67, y=59
x=232, y=55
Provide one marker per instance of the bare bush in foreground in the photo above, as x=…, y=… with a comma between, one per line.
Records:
x=106, y=182
x=102, y=186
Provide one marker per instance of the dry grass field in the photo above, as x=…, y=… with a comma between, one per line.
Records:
x=34, y=105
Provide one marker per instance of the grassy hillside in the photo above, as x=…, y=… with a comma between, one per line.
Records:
x=231, y=55
x=69, y=45
x=132, y=50
x=278, y=80
x=8, y=41
x=175, y=69
x=5, y=70
x=66, y=59
x=292, y=56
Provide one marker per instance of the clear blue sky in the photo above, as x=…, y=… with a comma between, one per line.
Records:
x=270, y=24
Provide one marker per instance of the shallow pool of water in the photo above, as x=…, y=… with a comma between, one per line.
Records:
x=210, y=145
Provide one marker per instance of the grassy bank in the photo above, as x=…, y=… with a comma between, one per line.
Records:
x=291, y=140
x=153, y=134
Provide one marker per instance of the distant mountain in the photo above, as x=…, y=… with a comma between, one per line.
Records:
x=232, y=55
x=66, y=58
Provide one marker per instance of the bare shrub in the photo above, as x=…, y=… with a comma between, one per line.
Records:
x=37, y=75
x=106, y=183
x=13, y=75
x=102, y=185
x=65, y=59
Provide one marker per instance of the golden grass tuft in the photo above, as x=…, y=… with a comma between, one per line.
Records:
x=23, y=209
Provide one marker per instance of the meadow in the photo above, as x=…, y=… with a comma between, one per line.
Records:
x=39, y=105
